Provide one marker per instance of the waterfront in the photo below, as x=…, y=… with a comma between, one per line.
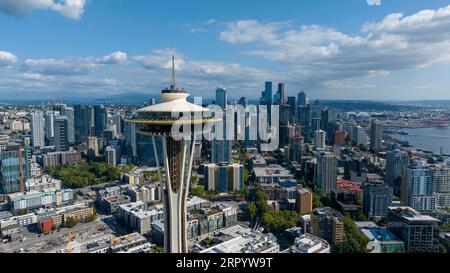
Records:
x=429, y=139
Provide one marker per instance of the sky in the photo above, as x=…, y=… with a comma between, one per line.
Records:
x=353, y=49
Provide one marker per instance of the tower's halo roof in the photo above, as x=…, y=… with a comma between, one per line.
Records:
x=178, y=105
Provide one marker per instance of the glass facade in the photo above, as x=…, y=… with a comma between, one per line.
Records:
x=13, y=165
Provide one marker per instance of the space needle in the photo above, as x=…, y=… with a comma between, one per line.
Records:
x=156, y=121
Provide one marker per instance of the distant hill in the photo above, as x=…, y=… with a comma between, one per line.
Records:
x=367, y=106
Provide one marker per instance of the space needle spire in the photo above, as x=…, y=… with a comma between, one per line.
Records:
x=173, y=83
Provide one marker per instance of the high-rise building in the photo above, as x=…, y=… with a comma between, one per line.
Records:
x=93, y=146
x=292, y=103
x=49, y=118
x=110, y=155
x=221, y=97
x=396, y=160
x=420, y=233
x=328, y=224
x=303, y=201
x=117, y=121
x=61, y=134
x=280, y=98
x=417, y=187
x=82, y=123
x=319, y=139
x=301, y=98
x=100, y=116
x=326, y=172
x=268, y=93
x=37, y=129
x=224, y=177
x=178, y=157
x=441, y=185
x=377, y=198
x=13, y=169
x=69, y=113
x=376, y=135
x=221, y=149
x=243, y=101
x=359, y=136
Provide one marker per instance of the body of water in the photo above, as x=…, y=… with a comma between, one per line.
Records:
x=429, y=139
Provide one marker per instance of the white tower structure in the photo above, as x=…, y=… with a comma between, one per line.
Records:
x=157, y=121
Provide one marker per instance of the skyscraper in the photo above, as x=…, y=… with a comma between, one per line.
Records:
x=13, y=169
x=99, y=120
x=280, y=98
x=49, y=118
x=291, y=102
x=268, y=89
x=441, y=185
x=319, y=139
x=117, y=120
x=156, y=121
x=82, y=123
x=417, y=187
x=37, y=129
x=326, y=172
x=221, y=149
x=396, y=160
x=69, y=113
x=301, y=99
x=376, y=135
x=110, y=155
x=359, y=136
x=221, y=97
x=377, y=199
x=61, y=134
x=243, y=101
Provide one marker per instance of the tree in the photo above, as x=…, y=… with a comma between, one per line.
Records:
x=70, y=222
x=20, y=212
x=278, y=221
x=316, y=201
x=356, y=241
x=207, y=241
x=157, y=249
x=363, y=148
x=198, y=191
x=75, y=196
x=251, y=212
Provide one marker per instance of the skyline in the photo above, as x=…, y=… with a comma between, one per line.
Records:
x=114, y=47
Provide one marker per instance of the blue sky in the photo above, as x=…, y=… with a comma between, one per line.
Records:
x=332, y=49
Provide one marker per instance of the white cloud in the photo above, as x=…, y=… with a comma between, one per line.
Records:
x=70, y=66
x=204, y=71
x=72, y=9
x=7, y=58
x=315, y=54
x=245, y=31
x=114, y=58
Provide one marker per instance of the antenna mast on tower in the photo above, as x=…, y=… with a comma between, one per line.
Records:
x=173, y=73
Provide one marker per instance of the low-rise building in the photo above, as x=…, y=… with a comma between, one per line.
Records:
x=35, y=200
x=136, y=216
x=58, y=159
x=127, y=242
x=244, y=240
x=308, y=243
x=272, y=174
x=43, y=183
